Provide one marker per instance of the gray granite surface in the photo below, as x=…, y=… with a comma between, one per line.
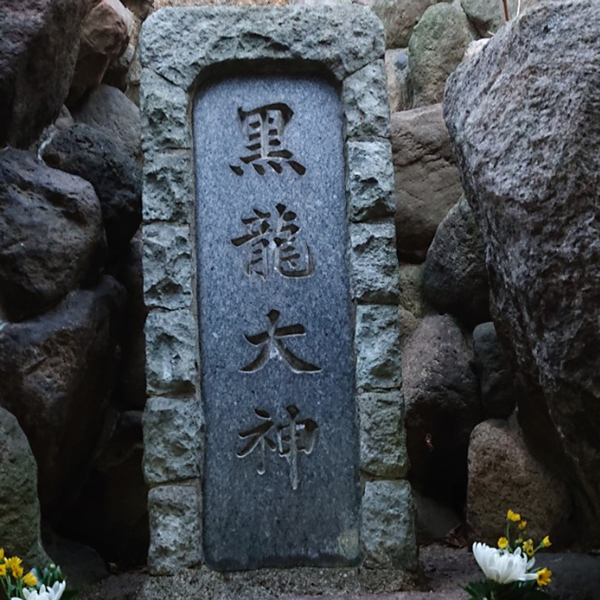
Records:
x=276, y=331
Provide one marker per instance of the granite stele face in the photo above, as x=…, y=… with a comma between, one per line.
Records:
x=280, y=479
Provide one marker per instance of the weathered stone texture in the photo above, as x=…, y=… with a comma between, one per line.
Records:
x=533, y=181
x=374, y=265
x=20, y=515
x=388, y=532
x=92, y=154
x=442, y=405
x=164, y=116
x=370, y=181
x=502, y=473
x=173, y=438
x=51, y=234
x=382, y=435
x=39, y=42
x=365, y=103
x=377, y=347
x=171, y=366
x=352, y=39
x=168, y=187
x=455, y=278
x=436, y=47
x=167, y=266
x=427, y=180
x=175, y=527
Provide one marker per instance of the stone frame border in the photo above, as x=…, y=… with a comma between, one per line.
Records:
x=179, y=50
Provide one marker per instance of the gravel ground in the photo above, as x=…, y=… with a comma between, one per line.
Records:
x=445, y=573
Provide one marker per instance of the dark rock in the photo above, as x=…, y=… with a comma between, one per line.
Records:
x=533, y=180
x=130, y=389
x=20, y=514
x=104, y=38
x=57, y=373
x=455, y=279
x=93, y=155
x=496, y=377
x=39, y=42
x=435, y=520
x=51, y=234
x=503, y=475
x=427, y=180
x=111, y=111
x=110, y=512
x=140, y=8
x=81, y=564
x=442, y=407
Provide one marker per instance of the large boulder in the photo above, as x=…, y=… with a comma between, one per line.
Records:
x=39, y=42
x=51, y=234
x=524, y=116
x=90, y=153
x=20, y=514
x=104, y=38
x=57, y=373
x=436, y=47
x=503, y=475
x=442, y=407
x=110, y=110
x=455, y=279
x=427, y=180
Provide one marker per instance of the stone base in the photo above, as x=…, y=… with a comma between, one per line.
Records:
x=266, y=584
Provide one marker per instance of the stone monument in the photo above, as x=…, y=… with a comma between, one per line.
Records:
x=274, y=425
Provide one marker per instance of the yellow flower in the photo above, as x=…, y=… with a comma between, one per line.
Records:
x=14, y=564
x=2, y=570
x=544, y=576
x=1, y=553
x=30, y=579
x=522, y=525
x=502, y=543
x=513, y=516
x=528, y=547
x=546, y=542
x=519, y=541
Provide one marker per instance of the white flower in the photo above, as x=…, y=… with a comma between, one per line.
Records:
x=501, y=566
x=46, y=593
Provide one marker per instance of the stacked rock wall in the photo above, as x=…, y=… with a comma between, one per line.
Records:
x=71, y=314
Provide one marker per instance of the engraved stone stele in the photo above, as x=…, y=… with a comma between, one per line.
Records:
x=272, y=286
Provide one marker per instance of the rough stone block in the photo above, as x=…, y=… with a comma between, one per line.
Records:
x=172, y=440
x=370, y=181
x=175, y=527
x=365, y=100
x=388, y=531
x=172, y=366
x=167, y=261
x=382, y=436
x=164, y=114
x=168, y=187
x=373, y=262
x=377, y=345
x=352, y=38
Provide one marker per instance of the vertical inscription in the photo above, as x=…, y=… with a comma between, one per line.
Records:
x=277, y=373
